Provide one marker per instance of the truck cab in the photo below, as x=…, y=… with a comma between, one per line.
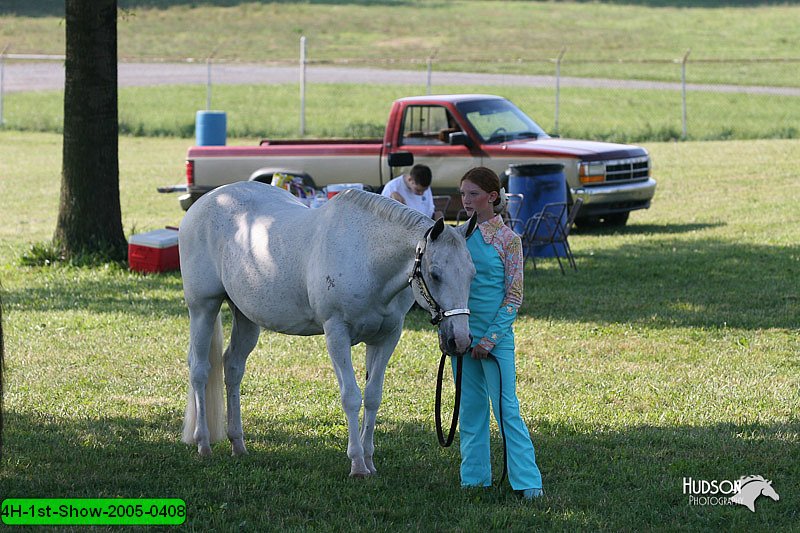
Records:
x=452, y=133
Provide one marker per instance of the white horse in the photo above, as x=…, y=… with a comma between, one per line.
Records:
x=341, y=270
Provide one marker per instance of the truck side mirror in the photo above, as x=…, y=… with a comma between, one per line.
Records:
x=401, y=159
x=459, y=138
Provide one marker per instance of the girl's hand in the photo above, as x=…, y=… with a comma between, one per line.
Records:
x=479, y=352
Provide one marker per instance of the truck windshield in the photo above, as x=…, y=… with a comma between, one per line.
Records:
x=498, y=121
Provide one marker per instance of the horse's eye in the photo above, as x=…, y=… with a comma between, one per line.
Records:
x=436, y=277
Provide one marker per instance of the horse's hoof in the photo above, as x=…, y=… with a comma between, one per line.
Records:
x=370, y=466
x=359, y=470
x=238, y=448
x=204, y=451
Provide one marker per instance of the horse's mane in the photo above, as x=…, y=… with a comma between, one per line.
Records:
x=383, y=208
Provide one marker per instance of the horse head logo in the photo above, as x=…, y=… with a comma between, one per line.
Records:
x=750, y=488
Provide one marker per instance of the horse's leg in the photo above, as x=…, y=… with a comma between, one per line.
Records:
x=202, y=320
x=377, y=358
x=244, y=337
x=337, y=339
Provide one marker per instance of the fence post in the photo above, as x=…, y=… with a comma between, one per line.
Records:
x=208, y=83
x=558, y=87
x=2, y=82
x=209, y=59
x=302, y=85
x=683, y=91
x=430, y=69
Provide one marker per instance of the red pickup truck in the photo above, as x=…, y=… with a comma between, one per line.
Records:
x=450, y=134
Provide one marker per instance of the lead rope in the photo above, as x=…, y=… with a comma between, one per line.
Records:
x=438, y=403
x=457, y=404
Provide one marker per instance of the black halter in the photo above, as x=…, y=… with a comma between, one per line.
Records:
x=437, y=313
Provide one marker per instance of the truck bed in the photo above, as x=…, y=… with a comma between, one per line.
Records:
x=284, y=142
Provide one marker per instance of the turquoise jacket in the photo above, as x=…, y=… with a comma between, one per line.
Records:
x=496, y=290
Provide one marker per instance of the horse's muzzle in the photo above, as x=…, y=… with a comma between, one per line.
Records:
x=449, y=343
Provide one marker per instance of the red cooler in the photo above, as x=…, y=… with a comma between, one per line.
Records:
x=154, y=251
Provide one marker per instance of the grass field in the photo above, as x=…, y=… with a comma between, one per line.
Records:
x=671, y=353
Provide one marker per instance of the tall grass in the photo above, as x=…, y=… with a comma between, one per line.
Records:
x=671, y=353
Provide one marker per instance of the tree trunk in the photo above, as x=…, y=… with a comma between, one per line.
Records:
x=89, y=217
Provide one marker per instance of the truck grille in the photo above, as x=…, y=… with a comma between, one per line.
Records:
x=637, y=168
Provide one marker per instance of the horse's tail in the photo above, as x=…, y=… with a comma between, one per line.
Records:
x=215, y=398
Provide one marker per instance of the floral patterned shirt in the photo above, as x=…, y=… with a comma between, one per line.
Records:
x=509, y=247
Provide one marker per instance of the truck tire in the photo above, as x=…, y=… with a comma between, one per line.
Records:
x=616, y=220
x=587, y=222
x=612, y=220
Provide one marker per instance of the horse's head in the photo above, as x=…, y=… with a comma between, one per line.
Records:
x=444, y=271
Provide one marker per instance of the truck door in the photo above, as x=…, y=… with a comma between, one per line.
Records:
x=425, y=132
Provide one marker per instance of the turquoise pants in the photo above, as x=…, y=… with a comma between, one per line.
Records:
x=480, y=381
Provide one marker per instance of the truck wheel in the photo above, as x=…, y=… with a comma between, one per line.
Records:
x=587, y=222
x=616, y=219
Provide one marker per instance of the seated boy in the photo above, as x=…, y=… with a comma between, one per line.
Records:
x=413, y=190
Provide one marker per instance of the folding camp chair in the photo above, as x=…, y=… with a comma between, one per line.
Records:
x=441, y=203
x=541, y=230
x=513, y=208
x=562, y=234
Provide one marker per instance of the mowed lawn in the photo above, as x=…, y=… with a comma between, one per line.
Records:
x=672, y=353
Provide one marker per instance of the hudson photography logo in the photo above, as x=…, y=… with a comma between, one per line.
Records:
x=743, y=491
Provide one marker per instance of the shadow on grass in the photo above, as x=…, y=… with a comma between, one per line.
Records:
x=64, y=289
x=646, y=229
x=296, y=474
x=668, y=283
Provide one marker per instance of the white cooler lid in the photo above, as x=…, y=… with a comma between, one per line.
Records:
x=159, y=238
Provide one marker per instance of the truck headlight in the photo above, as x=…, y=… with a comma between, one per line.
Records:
x=594, y=172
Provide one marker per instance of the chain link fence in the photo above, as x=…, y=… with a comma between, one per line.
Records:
x=627, y=100
x=688, y=97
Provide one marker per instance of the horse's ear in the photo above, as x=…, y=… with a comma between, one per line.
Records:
x=471, y=225
x=437, y=229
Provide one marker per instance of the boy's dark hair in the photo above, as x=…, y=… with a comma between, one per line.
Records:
x=421, y=174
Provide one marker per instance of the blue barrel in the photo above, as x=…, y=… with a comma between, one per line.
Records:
x=210, y=128
x=541, y=184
